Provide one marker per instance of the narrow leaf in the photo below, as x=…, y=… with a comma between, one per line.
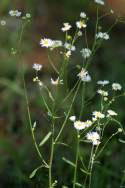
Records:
x=122, y=141
x=34, y=172
x=45, y=139
x=69, y=162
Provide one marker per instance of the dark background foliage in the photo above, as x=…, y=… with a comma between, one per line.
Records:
x=18, y=156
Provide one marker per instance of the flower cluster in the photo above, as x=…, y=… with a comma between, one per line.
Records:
x=86, y=53
x=15, y=13
x=101, y=35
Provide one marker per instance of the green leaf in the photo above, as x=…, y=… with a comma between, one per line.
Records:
x=122, y=141
x=84, y=171
x=69, y=162
x=34, y=172
x=45, y=139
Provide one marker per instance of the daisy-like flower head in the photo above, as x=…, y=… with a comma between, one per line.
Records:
x=93, y=137
x=37, y=66
x=84, y=76
x=103, y=83
x=86, y=53
x=101, y=35
x=66, y=27
x=3, y=22
x=72, y=118
x=83, y=15
x=79, y=125
x=56, y=82
x=28, y=15
x=81, y=24
x=69, y=46
x=116, y=86
x=98, y=115
x=102, y=92
x=47, y=43
x=101, y=2
x=111, y=113
x=79, y=33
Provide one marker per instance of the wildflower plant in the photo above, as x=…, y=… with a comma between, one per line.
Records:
x=86, y=131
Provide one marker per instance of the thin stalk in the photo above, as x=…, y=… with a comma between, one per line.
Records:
x=50, y=163
x=76, y=161
x=106, y=144
x=68, y=113
x=83, y=96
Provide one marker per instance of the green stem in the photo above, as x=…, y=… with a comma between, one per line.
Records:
x=68, y=113
x=50, y=163
x=76, y=161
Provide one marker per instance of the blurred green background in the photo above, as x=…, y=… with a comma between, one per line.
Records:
x=17, y=154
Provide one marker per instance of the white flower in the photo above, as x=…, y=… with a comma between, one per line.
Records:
x=81, y=24
x=101, y=35
x=111, y=113
x=46, y=43
x=40, y=83
x=88, y=123
x=79, y=125
x=37, y=67
x=66, y=27
x=79, y=33
x=105, y=98
x=94, y=137
x=102, y=92
x=101, y=2
x=98, y=114
x=56, y=82
x=103, y=83
x=83, y=15
x=69, y=46
x=116, y=86
x=28, y=15
x=56, y=44
x=84, y=76
x=86, y=52
x=3, y=22
x=72, y=118
x=68, y=54
x=15, y=13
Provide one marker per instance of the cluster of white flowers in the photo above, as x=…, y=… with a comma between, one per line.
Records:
x=48, y=43
x=101, y=2
x=86, y=53
x=37, y=66
x=84, y=75
x=93, y=137
x=3, y=22
x=116, y=86
x=66, y=27
x=101, y=35
x=15, y=13
x=80, y=125
x=102, y=92
x=56, y=82
x=103, y=83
